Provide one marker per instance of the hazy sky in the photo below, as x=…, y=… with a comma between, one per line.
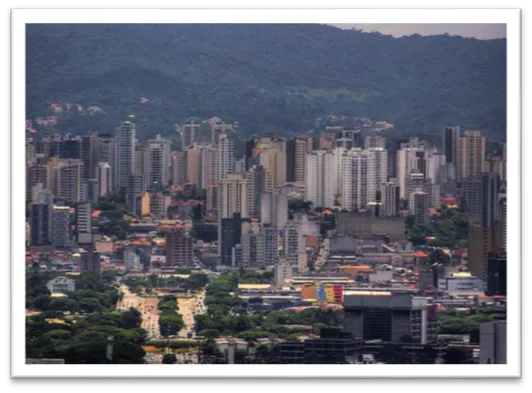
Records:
x=477, y=30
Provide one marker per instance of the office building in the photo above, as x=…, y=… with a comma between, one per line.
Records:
x=390, y=317
x=230, y=236
x=462, y=282
x=481, y=195
x=61, y=226
x=179, y=248
x=481, y=242
x=472, y=154
x=493, y=343
x=90, y=154
x=256, y=179
x=451, y=151
x=125, y=153
x=68, y=147
x=89, y=260
x=496, y=274
x=501, y=216
x=40, y=225
x=84, y=223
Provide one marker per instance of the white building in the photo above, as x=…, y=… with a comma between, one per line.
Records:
x=274, y=208
x=104, y=177
x=226, y=146
x=460, y=282
x=322, y=169
x=407, y=161
x=232, y=196
x=61, y=284
x=390, y=198
x=293, y=242
x=363, y=173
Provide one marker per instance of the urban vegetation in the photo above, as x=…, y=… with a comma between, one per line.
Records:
x=277, y=82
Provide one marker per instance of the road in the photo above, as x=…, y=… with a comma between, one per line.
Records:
x=188, y=307
x=147, y=306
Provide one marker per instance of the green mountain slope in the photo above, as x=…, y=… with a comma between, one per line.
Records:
x=267, y=77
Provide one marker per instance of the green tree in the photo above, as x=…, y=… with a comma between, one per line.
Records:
x=169, y=358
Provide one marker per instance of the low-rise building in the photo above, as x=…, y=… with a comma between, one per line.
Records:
x=61, y=284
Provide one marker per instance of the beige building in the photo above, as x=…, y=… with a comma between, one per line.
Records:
x=232, y=195
x=327, y=141
x=374, y=141
x=302, y=148
x=66, y=176
x=472, y=153
x=193, y=159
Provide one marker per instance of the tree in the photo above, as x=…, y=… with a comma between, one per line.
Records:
x=437, y=256
x=410, y=221
x=169, y=358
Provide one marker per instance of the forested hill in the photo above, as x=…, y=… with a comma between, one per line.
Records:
x=269, y=77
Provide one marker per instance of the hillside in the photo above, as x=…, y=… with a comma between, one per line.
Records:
x=267, y=77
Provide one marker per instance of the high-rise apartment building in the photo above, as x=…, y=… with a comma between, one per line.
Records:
x=327, y=141
x=179, y=248
x=472, y=154
x=104, y=178
x=108, y=154
x=125, y=153
x=67, y=179
x=353, y=135
x=374, y=141
x=90, y=260
x=293, y=242
x=212, y=200
x=390, y=198
x=159, y=204
x=190, y=133
x=209, y=163
x=193, y=159
x=90, y=154
x=274, y=208
x=226, y=146
x=419, y=206
x=493, y=337
x=322, y=168
x=259, y=245
x=179, y=167
x=481, y=242
x=220, y=127
x=407, y=162
x=165, y=147
x=155, y=179
x=134, y=186
x=233, y=196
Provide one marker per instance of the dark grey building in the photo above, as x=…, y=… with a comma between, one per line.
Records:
x=231, y=233
x=481, y=196
x=493, y=343
x=333, y=346
x=390, y=317
x=40, y=225
x=496, y=274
